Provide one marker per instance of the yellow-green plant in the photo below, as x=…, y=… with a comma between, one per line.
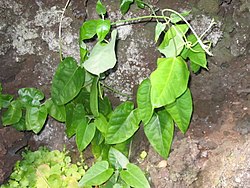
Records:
x=44, y=168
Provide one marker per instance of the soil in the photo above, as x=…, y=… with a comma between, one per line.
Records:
x=215, y=152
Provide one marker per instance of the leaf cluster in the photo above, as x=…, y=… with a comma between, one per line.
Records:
x=77, y=97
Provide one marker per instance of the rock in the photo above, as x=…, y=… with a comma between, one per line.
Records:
x=11, y=141
x=209, y=6
x=243, y=125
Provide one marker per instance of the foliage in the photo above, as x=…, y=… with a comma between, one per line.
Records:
x=77, y=97
x=44, y=169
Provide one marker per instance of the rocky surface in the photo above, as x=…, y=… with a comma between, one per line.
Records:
x=214, y=152
x=11, y=144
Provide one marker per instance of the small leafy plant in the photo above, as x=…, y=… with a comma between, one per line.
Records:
x=44, y=168
x=77, y=96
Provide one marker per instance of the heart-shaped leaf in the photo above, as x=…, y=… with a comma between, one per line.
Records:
x=168, y=81
x=75, y=116
x=159, y=28
x=67, y=81
x=117, y=159
x=84, y=135
x=35, y=118
x=123, y=123
x=173, y=42
x=160, y=131
x=97, y=174
x=134, y=177
x=102, y=29
x=124, y=5
x=56, y=111
x=102, y=57
x=100, y=8
x=88, y=29
x=181, y=110
x=13, y=114
x=30, y=96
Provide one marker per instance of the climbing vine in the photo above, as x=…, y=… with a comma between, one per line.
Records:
x=77, y=96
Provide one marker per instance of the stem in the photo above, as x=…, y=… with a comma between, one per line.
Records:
x=191, y=28
x=151, y=9
x=203, y=34
x=60, y=30
x=130, y=149
x=138, y=18
x=115, y=91
x=204, y=47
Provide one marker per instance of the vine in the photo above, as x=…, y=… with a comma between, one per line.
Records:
x=77, y=98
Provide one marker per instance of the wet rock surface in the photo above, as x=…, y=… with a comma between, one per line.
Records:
x=214, y=152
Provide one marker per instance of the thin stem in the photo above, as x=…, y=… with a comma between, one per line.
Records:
x=151, y=8
x=130, y=149
x=60, y=29
x=191, y=28
x=138, y=18
x=115, y=91
x=204, y=33
x=100, y=90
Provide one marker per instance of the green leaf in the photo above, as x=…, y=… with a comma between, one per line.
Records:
x=101, y=124
x=55, y=181
x=42, y=173
x=84, y=135
x=159, y=28
x=20, y=125
x=174, y=18
x=30, y=96
x=94, y=97
x=184, y=53
x=197, y=55
x=98, y=138
x=159, y=132
x=13, y=114
x=105, y=106
x=102, y=29
x=123, y=147
x=75, y=116
x=56, y=111
x=88, y=29
x=83, y=98
x=168, y=81
x=35, y=118
x=117, y=159
x=100, y=9
x=140, y=4
x=173, y=42
x=125, y=5
x=123, y=123
x=144, y=102
x=97, y=174
x=5, y=100
x=70, y=128
x=100, y=151
x=134, y=177
x=102, y=57
x=181, y=110
x=195, y=67
x=83, y=53
x=67, y=81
